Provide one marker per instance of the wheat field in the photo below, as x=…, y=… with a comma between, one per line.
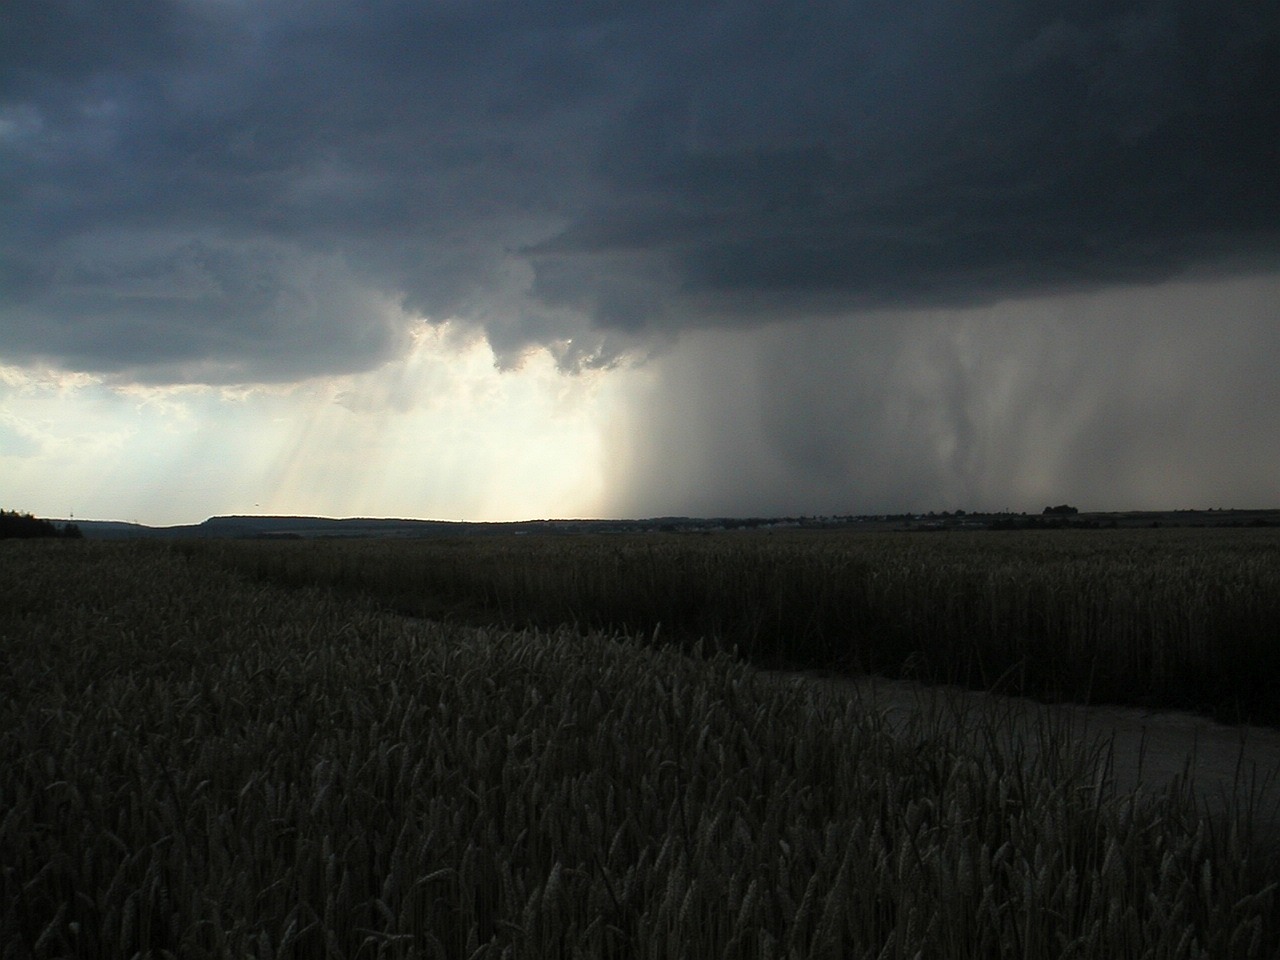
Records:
x=201, y=763
x=1174, y=618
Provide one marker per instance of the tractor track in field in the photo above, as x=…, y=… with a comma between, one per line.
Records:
x=1228, y=768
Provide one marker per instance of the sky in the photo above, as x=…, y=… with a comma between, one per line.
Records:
x=480, y=260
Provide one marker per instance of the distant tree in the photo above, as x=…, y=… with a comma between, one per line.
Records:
x=23, y=525
x=1062, y=510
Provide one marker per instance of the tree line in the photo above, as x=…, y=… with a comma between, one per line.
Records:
x=24, y=525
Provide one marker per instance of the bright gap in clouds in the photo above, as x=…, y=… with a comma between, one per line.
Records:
x=439, y=433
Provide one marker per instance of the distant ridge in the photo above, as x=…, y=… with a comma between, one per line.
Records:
x=291, y=527
x=286, y=527
x=308, y=528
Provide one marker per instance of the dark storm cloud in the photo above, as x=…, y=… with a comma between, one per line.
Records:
x=1017, y=406
x=233, y=189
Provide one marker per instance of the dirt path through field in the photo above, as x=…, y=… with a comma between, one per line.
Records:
x=1228, y=766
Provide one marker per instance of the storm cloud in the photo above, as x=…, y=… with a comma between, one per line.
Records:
x=1149, y=398
x=234, y=191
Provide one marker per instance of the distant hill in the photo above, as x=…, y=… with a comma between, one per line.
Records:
x=294, y=528
x=249, y=527
x=298, y=528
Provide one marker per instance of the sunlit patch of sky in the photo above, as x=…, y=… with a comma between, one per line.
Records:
x=440, y=432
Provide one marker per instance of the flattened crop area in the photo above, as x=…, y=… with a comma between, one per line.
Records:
x=1226, y=769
